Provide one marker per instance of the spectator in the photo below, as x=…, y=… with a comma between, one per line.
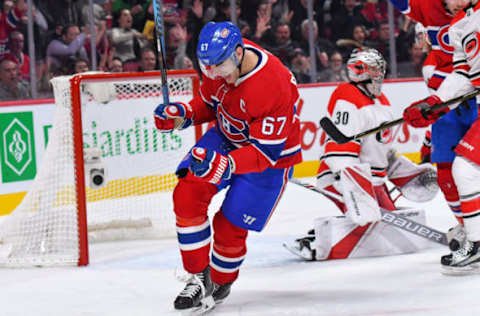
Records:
x=11, y=87
x=16, y=42
x=413, y=67
x=322, y=47
x=125, y=39
x=185, y=64
x=358, y=39
x=9, y=21
x=344, y=17
x=137, y=9
x=300, y=14
x=283, y=45
x=63, y=12
x=148, y=60
x=336, y=70
x=116, y=65
x=300, y=65
x=176, y=44
x=69, y=46
x=101, y=43
x=262, y=33
x=78, y=66
x=99, y=13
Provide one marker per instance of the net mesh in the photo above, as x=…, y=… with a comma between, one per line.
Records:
x=136, y=161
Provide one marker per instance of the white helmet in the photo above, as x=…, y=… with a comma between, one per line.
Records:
x=368, y=67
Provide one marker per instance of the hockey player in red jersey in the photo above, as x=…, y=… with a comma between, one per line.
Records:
x=251, y=150
x=353, y=174
x=464, y=36
x=435, y=16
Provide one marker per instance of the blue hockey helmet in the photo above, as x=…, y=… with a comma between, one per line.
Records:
x=217, y=42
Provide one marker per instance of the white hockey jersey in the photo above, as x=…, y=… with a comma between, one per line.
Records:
x=354, y=112
x=464, y=34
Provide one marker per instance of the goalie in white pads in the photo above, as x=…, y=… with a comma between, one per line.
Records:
x=353, y=174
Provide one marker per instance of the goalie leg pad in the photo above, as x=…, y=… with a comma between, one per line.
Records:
x=359, y=195
x=337, y=237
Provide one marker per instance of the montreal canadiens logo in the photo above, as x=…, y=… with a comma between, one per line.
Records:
x=234, y=129
x=224, y=33
x=443, y=40
x=471, y=45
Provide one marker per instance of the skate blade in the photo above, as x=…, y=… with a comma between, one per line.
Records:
x=205, y=307
x=473, y=268
x=305, y=254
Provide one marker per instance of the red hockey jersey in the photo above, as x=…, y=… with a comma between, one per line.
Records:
x=257, y=114
x=436, y=20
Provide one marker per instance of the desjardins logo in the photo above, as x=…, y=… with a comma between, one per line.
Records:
x=139, y=138
x=17, y=144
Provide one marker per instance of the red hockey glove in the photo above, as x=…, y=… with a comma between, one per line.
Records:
x=210, y=165
x=173, y=116
x=419, y=115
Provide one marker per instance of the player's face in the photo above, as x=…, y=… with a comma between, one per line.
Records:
x=227, y=70
x=454, y=6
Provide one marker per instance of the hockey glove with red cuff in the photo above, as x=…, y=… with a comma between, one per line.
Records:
x=210, y=165
x=418, y=114
x=172, y=116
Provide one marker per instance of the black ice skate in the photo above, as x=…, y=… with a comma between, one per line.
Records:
x=465, y=260
x=220, y=292
x=456, y=236
x=197, y=294
x=303, y=247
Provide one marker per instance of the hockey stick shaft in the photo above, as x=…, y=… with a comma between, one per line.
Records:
x=334, y=133
x=160, y=29
x=393, y=219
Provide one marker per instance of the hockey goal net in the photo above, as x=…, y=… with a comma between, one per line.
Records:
x=107, y=173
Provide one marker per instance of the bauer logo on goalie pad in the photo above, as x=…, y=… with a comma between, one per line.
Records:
x=413, y=227
x=17, y=147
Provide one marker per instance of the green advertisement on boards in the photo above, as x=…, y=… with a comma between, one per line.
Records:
x=17, y=146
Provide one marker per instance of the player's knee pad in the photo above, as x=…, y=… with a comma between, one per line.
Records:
x=466, y=175
x=191, y=198
x=228, y=238
x=446, y=181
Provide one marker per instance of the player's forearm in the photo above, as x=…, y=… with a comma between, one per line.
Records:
x=202, y=113
x=453, y=86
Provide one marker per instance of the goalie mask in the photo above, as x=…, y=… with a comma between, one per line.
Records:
x=216, y=50
x=367, y=67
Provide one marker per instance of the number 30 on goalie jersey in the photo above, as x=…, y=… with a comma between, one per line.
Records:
x=354, y=112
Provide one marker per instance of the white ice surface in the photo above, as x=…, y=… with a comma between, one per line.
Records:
x=137, y=277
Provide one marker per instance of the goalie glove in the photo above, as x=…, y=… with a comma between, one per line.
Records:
x=172, y=116
x=359, y=195
x=417, y=183
x=210, y=166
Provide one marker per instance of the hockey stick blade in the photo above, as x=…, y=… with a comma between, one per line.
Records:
x=334, y=133
x=393, y=219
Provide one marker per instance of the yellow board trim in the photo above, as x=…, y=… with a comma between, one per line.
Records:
x=8, y=202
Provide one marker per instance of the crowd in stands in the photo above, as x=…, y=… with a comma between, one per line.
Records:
x=125, y=38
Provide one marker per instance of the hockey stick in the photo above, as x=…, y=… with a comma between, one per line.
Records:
x=334, y=133
x=391, y=218
x=159, y=27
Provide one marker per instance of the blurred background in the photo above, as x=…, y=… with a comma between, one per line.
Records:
x=40, y=39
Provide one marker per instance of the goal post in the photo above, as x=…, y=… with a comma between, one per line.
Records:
x=107, y=173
